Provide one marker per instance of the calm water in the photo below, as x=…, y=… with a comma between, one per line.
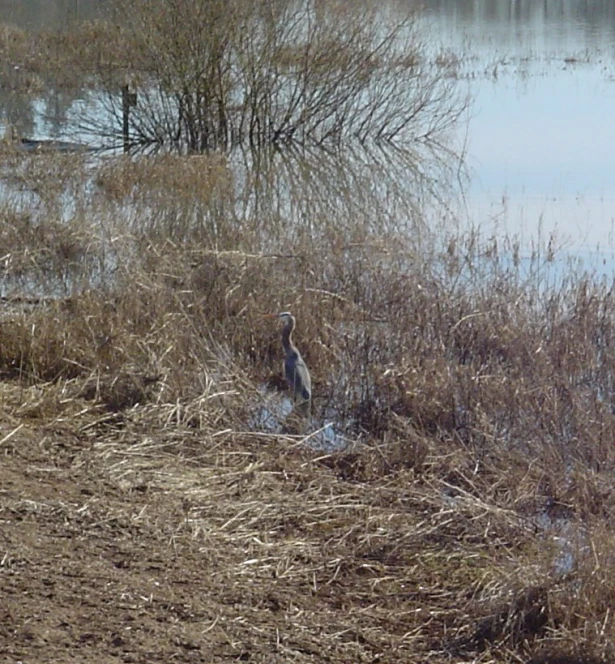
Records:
x=41, y=14
x=540, y=141
x=541, y=137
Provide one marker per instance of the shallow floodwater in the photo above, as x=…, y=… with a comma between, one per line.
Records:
x=49, y=14
x=540, y=139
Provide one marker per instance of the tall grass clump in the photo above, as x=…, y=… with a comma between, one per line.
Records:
x=212, y=74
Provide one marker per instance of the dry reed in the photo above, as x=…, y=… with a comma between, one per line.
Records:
x=470, y=518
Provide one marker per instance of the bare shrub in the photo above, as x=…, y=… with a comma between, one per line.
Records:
x=211, y=74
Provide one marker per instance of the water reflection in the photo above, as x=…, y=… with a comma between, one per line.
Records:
x=542, y=75
x=273, y=414
x=359, y=189
x=50, y=14
x=539, y=139
x=526, y=26
x=46, y=113
x=277, y=201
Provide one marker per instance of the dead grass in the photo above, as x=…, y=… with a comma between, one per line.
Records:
x=468, y=520
x=66, y=60
x=297, y=558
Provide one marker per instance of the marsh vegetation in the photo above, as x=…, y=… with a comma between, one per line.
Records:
x=463, y=509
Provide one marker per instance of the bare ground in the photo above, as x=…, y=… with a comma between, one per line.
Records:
x=127, y=538
x=121, y=543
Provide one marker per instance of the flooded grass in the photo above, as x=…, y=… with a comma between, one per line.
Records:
x=199, y=76
x=467, y=516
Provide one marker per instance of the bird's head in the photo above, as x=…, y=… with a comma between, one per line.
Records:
x=286, y=317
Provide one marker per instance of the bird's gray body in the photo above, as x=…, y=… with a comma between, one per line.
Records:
x=298, y=376
x=295, y=369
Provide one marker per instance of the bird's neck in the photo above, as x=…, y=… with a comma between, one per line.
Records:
x=287, y=341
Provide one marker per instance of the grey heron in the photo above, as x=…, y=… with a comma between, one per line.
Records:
x=295, y=369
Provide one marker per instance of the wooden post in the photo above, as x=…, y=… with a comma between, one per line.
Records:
x=129, y=99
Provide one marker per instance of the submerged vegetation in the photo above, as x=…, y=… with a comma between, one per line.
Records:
x=452, y=499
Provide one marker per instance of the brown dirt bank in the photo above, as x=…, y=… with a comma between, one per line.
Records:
x=124, y=540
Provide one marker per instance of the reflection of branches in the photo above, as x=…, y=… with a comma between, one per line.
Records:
x=269, y=199
x=366, y=186
x=276, y=201
x=211, y=74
